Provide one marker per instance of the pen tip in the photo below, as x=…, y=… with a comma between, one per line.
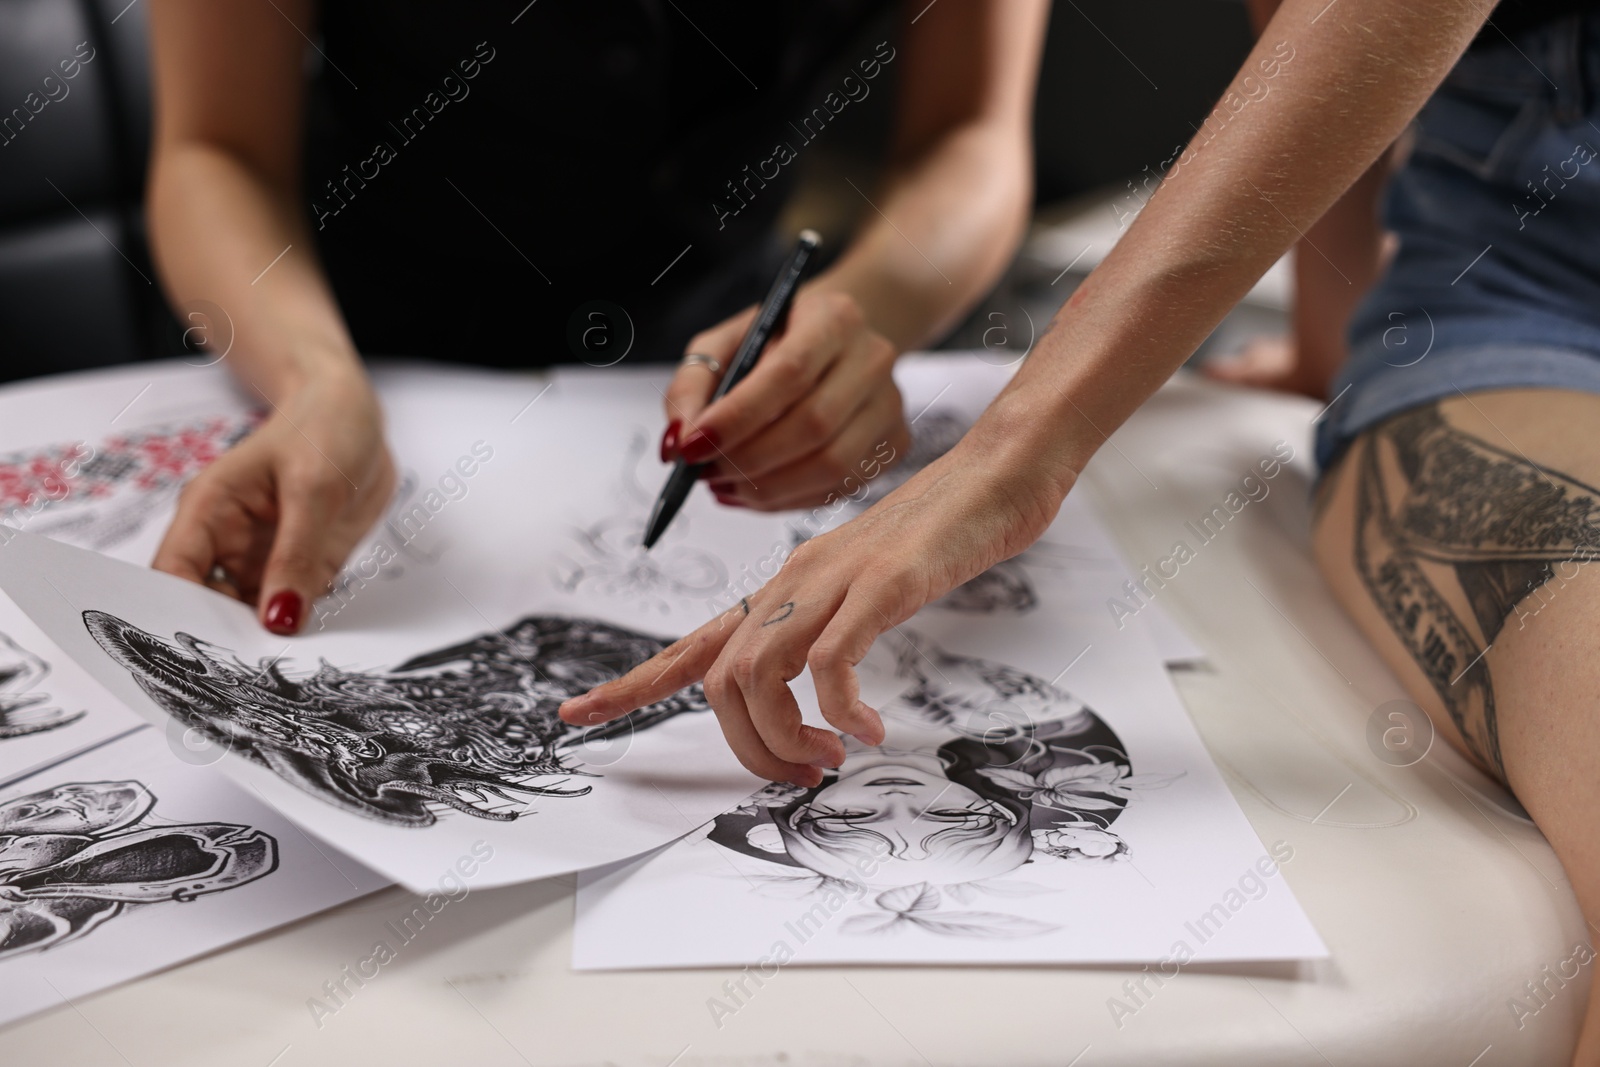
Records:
x=652, y=530
x=810, y=236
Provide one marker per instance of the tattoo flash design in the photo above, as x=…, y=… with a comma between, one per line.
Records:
x=1440, y=511
x=99, y=495
x=22, y=710
x=984, y=769
x=76, y=855
x=454, y=729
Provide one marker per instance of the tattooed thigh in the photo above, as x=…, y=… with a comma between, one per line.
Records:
x=1454, y=529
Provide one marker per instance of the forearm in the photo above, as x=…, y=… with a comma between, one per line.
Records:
x=1235, y=202
x=940, y=233
x=1334, y=264
x=220, y=232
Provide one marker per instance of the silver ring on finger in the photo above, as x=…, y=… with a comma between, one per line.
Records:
x=700, y=359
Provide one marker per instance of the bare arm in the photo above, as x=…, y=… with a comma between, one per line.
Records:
x=959, y=185
x=935, y=237
x=1359, y=70
x=1335, y=263
x=280, y=512
x=1349, y=75
x=224, y=196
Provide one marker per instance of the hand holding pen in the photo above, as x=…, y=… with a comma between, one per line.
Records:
x=820, y=401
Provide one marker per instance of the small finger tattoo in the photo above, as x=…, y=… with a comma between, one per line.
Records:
x=744, y=602
x=781, y=614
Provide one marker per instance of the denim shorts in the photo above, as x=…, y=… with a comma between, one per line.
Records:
x=1496, y=281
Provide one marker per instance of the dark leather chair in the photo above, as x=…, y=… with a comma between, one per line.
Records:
x=76, y=286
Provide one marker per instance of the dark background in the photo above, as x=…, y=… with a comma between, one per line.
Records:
x=1123, y=84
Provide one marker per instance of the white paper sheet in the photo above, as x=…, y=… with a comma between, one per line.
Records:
x=97, y=459
x=126, y=860
x=518, y=499
x=49, y=707
x=944, y=393
x=1041, y=797
x=1025, y=671
x=403, y=765
x=509, y=509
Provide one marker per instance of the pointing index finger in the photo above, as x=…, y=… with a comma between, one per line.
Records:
x=680, y=664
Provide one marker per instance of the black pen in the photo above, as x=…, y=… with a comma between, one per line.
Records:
x=774, y=313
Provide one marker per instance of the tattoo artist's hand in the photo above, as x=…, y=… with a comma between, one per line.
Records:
x=818, y=405
x=976, y=505
x=281, y=511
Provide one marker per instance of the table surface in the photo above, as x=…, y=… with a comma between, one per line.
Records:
x=1438, y=900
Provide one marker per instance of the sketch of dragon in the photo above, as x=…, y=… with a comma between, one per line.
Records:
x=80, y=853
x=458, y=728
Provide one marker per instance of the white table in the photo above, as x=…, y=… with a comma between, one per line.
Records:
x=1436, y=899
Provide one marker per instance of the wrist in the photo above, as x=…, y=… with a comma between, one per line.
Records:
x=889, y=313
x=325, y=369
x=1022, y=439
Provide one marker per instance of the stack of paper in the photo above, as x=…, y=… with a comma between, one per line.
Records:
x=1041, y=796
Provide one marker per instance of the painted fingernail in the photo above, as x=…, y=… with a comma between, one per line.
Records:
x=283, y=612
x=729, y=501
x=723, y=486
x=669, y=440
x=699, y=447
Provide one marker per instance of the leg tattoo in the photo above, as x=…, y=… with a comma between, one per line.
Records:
x=1462, y=515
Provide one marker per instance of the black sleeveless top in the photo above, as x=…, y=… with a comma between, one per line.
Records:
x=484, y=176
x=1511, y=17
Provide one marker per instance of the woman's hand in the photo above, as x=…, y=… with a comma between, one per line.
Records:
x=280, y=512
x=982, y=502
x=820, y=402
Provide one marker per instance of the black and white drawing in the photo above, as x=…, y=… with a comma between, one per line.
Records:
x=984, y=769
x=607, y=558
x=23, y=709
x=470, y=728
x=81, y=853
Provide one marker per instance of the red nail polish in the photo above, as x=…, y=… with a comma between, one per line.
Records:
x=723, y=486
x=669, y=440
x=283, y=612
x=730, y=502
x=699, y=447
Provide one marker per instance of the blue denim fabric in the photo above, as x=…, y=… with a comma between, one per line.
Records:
x=1496, y=283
